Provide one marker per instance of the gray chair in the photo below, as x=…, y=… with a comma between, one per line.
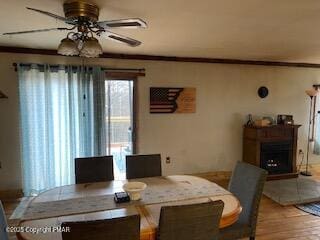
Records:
x=3, y=224
x=246, y=184
x=124, y=228
x=190, y=222
x=140, y=166
x=94, y=169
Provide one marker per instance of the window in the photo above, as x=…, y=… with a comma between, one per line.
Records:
x=120, y=122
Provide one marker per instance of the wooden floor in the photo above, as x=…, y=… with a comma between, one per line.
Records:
x=275, y=222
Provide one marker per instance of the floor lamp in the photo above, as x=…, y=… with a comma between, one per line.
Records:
x=311, y=93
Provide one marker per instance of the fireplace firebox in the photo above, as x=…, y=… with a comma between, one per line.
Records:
x=276, y=157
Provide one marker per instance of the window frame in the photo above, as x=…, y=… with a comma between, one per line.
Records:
x=130, y=76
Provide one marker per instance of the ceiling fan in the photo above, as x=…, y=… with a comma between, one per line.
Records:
x=84, y=26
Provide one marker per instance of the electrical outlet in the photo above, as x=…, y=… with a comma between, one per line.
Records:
x=168, y=160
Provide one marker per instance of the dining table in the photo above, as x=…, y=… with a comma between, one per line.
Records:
x=42, y=217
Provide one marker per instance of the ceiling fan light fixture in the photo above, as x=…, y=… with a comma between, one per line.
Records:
x=82, y=18
x=91, y=48
x=68, y=47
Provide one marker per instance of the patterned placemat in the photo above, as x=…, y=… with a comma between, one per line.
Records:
x=173, y=191
x=21, y=208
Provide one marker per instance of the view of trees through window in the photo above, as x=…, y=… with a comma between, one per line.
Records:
x=119, y=120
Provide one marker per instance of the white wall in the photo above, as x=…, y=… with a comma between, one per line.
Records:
x=209, y=140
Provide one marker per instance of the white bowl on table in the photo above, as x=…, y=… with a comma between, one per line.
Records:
x=134, y=189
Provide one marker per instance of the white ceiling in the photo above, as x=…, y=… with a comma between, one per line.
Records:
x=278, y=30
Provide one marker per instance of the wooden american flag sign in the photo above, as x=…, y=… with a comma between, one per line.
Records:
x=172, y=100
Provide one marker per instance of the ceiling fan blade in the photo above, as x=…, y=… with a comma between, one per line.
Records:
x=123, y=23
x=119, y=38
x=35, y=31
x=52, y=15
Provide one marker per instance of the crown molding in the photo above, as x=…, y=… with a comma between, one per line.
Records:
x=5, y=49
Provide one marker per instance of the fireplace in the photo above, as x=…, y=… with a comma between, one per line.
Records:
x=276, y=157
x=273, y=148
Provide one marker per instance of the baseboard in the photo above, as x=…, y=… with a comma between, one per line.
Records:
x=11, y=194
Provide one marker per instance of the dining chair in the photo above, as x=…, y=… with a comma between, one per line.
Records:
x=140, y=166
x=246, y=184
x=3, y=224
x=123, y=228
x=190, y=222
x=94, y=169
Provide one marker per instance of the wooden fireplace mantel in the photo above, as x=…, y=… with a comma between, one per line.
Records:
x=254, y=137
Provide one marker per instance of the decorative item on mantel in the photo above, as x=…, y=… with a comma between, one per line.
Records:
x=262, y=122
x=2, y=95
x=285, y=119
x=311, y=93
x=250, y=121
x=271, y=119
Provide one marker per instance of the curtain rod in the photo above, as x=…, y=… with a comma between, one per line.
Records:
x=140, y=70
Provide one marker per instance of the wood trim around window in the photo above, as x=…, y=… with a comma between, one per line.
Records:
x=135, y=135
x=124, y=75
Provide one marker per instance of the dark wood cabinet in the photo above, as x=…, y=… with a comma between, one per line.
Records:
x=273, y=148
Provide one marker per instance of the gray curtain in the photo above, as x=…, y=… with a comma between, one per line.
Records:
x=62, y=117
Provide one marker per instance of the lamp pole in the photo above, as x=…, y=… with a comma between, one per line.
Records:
x=306, y=172
x=311, y=93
